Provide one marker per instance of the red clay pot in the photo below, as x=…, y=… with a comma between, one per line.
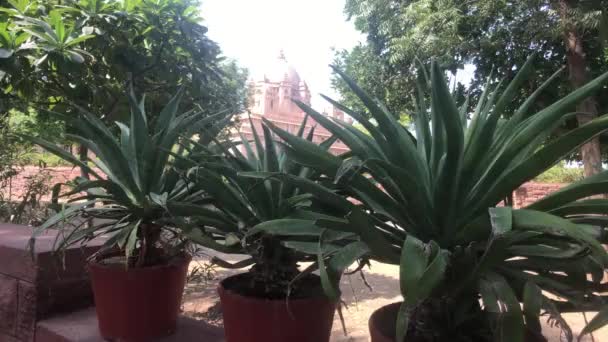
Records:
x=382, y=325
x=138, y=304
x=252, y=319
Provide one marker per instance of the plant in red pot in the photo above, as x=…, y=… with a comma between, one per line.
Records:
x=273, y=301
x=139, y=274
x=471, y=267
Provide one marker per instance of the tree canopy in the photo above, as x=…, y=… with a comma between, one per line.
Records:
x=54, y=54
x=495, y=36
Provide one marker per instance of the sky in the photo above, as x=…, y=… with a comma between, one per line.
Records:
x=253, y=33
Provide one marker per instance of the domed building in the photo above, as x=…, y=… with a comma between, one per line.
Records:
x=272, y=96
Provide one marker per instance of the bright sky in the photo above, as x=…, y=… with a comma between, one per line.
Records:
x=253, y=32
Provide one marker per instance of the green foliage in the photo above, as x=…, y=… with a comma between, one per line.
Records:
x=140, y=181
x=36, y=122
x=429, y=204
x=561, y=174
x=496, y=36
x=251, y=206
x=42, y=159
x=85, y=52
x=25, y=207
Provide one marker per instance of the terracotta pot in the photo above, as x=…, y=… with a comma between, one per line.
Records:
x=138, y=304
x=252, y=319
x=382, y=325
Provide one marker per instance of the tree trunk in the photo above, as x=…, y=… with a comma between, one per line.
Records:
x=83, y=152
x=579, y=75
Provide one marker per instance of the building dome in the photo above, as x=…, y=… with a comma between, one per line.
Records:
x=280, y=70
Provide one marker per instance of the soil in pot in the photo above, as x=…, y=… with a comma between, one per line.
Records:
x=250, y=316
x=382, y=326
x=138, y=304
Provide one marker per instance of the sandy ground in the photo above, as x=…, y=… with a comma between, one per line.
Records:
x=201, y=302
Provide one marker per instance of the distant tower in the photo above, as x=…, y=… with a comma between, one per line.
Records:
x=272, y=95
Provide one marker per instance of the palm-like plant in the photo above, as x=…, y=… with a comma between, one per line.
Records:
x=135, y=179
x=251, y=210
x=430, y=203
x=53, y=37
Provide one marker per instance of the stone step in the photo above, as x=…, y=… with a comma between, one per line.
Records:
x=38, y=284
x=81, y=326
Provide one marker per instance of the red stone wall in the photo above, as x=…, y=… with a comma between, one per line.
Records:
x=18, y=184
x=532, y=192
x=37, y=284
x=290, y=122
x=525, y=195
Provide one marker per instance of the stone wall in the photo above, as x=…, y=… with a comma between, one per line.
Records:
x=35, y=284
x=525, y=195
x=17, y=186
x=532, y=192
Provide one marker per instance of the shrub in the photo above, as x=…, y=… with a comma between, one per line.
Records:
x=561, y=173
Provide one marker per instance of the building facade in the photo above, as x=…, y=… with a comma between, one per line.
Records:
x=272, y=96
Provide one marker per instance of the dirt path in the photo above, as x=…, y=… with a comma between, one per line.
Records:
x=201, y=302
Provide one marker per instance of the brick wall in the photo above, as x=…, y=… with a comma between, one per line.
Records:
x=18, y=184
x=35, y=284
x=525, y=195
x=532, y=192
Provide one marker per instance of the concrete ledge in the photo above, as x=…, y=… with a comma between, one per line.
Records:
x=81, y=326
x=37, y=285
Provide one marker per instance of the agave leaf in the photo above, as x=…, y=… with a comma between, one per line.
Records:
x=61, y=153
x=360, y=224
x=403, y=321
x=287, y=227
x=593, y=185
x=64, y=215
x=532, y=300
x=502, y=220
x=248, y=149
x=423, y=131
x=132, y=240
x=369, y=127
x=344, y=135
x=542, y=160
x=550, y=224
x=523, y=110
x=211, y=216
x=343, y=258
x=322, y=193
x=302, y=126
x=213, y=184
x=476, y=122
x=169, y=112
x=370, y=144
x=311, y=248
x=499, y=298
x=598, y=321
x=508, y=95
x=434, y=273
x=195, y=235
x=590, y=206
x=258, y=143
x=271, y=164
x=414, y=261
x=329, y=279
x=446, y=191
x=318, y=157
x=402, y=147
x=416, y=195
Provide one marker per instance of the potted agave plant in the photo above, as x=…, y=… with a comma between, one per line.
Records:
x=471, y=269
x=139, y=274
x=273, y=301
